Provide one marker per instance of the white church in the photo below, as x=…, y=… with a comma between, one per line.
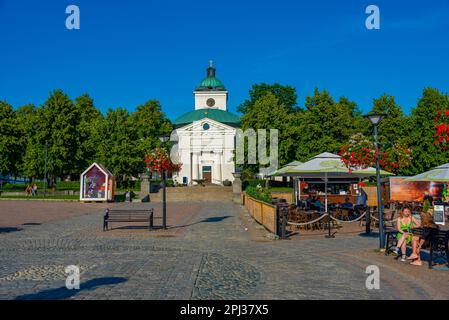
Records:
x=206, y=136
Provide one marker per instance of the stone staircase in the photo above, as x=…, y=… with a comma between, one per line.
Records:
x=195, y=193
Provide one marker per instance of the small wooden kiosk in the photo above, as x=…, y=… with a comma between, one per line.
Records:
x=97, y=184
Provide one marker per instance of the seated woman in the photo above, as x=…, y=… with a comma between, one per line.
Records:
x=347, y=204
x=318, y=205
x=404, y=224
x=428, y=225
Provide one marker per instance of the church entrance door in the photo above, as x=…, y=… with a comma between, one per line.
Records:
x=207, y=174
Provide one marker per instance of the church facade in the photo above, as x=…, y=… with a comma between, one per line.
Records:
x=206, y=135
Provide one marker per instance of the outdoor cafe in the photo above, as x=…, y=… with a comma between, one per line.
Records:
x=328, y=195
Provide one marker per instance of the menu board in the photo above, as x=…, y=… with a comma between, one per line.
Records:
x=439, y=216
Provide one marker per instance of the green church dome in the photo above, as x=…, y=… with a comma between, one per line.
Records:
x=210, y=83
x=214, y=114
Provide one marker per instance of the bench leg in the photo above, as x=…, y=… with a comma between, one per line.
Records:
x=431, y=256
x=447, y=254
x=150, y=225
x=387, y=245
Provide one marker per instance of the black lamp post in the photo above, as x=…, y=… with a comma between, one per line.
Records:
x=375, y=120
x=164, y=139
x=45, y=170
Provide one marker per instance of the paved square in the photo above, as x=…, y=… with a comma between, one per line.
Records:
x=212, y=251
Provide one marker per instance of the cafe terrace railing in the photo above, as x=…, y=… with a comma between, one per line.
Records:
x=264, y=213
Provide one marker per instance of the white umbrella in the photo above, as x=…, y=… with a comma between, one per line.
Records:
x=284, y=169
x=438, y=174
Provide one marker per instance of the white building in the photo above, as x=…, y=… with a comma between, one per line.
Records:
x=206, y=135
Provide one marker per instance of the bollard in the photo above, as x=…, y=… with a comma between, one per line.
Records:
x=284, y=222
x=329, y=221
x=368, y=221
x=151, y=219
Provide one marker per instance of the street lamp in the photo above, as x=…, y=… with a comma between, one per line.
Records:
x=375, y=119
x=164, y=139
x=45, y=170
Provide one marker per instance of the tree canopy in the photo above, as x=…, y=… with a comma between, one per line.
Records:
x=74, y=134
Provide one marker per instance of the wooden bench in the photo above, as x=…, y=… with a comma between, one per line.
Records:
x=128, y=216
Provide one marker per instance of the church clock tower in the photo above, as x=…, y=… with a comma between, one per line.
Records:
x=211, y=93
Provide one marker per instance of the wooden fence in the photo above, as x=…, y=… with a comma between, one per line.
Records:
x=371, y=194
x=264, y=213
x=288, y=196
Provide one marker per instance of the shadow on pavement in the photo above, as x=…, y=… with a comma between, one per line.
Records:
x=158, y=227
x=9, y=229
x=215, y=219
x=64, y=293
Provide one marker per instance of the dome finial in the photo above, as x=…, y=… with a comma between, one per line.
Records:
x=210, y=70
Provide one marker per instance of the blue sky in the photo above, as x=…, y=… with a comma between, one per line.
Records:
x=127, y=52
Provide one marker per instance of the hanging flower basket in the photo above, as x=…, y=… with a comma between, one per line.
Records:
x=158, y=160
x=361, y=153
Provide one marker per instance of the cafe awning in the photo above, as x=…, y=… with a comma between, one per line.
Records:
x=438, y=174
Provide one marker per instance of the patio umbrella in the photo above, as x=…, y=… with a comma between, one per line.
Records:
x=438, y=174
x=328, y=165
x=372, y=172
x=284, y=169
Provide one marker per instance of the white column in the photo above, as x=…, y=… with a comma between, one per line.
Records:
x=196, y=166
x=217, y=168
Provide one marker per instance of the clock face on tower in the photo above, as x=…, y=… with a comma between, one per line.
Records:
x=210, y=102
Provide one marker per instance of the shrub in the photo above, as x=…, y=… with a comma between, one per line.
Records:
x=259, y=193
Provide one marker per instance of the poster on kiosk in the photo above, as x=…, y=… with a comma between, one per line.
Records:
x=97, y=184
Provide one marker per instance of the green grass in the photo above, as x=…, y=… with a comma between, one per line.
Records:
x=60, y=186
x=41, y=197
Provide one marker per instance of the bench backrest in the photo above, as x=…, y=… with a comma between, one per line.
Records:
x=130, y=214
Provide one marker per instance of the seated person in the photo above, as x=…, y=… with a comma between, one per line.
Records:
x=428, y=197
x=428, y=224
x=347, y=204
x=310, y=199
x=404, y=236
x=318, y=205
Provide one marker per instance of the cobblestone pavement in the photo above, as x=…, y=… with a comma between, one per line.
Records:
x=220, y=254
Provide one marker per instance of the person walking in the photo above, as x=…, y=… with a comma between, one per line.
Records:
x=35, y=190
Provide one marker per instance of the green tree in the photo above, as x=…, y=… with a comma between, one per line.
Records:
x=269, y=112
x=10, y=148
x=394, y=127
x=285, y=94
x=425, y=153
x=54, y=128
x=118, y=147
x=150, y=123
x=325, y=125
x=88, y=132
x=26, y=120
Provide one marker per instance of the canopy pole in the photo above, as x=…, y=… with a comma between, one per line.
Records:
x=329, y=220
x=297, y=191
x=325, y=191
